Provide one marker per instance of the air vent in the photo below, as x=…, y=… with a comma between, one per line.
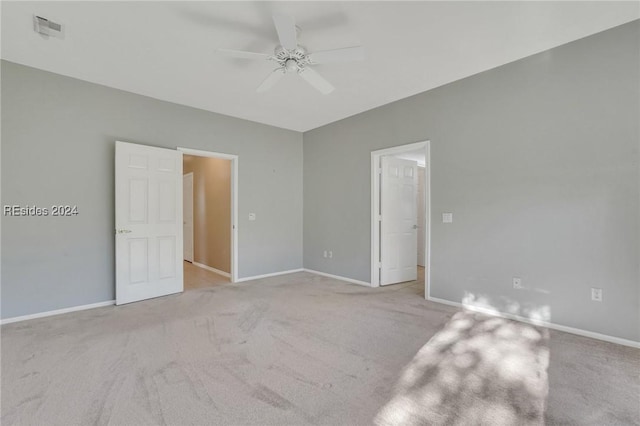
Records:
x=47, y=28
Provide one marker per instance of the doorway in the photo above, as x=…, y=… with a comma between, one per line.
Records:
x=210, y=218
x=400, y=215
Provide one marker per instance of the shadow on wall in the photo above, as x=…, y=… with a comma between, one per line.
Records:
x=478, y=369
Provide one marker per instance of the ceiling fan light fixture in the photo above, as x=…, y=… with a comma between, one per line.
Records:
x=291, y=65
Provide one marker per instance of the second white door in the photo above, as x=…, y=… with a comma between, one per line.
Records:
x=398, y=208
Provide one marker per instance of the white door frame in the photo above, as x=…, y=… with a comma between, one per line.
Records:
x=192, y=230
x=375, y=205
x=234, y=200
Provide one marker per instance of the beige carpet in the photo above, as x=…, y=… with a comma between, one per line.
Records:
x=303, y=349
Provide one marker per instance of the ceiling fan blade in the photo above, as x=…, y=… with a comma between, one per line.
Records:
x=345, y=54
x=242, y=54
x=286, y=28
x=271, y=80
x=316, y=80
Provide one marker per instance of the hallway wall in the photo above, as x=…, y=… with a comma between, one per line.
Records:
x=211, y=210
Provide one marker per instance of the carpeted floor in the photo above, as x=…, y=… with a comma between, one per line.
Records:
x=304, y=349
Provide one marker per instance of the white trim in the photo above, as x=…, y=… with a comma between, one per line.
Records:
x=57, y=312
x=338, y=277
x=214, y=270
x=201, y=153
x=235, y=160
x=566, y=329
x=375, y=202
x=273, y=274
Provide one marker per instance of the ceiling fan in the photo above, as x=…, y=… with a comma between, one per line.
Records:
x=291, y=57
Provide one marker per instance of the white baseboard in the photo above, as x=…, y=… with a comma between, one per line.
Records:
x=57, y=312
x=273, y=274
x=338, y=277
x=214, y=270
x=572, y=330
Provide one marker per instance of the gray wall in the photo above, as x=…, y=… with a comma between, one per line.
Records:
x=539, y=162
x=58, y=138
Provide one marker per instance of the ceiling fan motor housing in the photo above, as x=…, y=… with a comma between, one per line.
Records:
x=292, y=60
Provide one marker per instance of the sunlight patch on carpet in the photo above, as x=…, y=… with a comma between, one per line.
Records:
x=478, y=369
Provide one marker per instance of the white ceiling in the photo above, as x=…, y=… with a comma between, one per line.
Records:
x=166, y=49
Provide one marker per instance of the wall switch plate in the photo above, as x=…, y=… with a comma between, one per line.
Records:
x=517, y=283
x=330, y=254
x=252, y=216
x=447, y=217
x=596, y=294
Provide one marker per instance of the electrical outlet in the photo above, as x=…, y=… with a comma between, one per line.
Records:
x=517, y=283
x=252, y=216
x=330, y=254
x=596, y=294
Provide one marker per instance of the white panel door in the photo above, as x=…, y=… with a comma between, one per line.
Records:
x=148, y=222
x=422, y=217
x=187, y=215
x=398, y=233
